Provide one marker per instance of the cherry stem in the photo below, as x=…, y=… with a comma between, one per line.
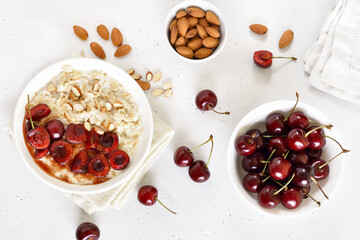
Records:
x=292, y=58
x=343, y=151
x=165, y=206
x=265, y=179
x=314, y=180
x=307, y=194
x=226, y=113
x=277, y=192
x=270, y=136
x=287, y=154
x=263, y=171
x=212, y=147
x=264, y=161
x=292, y=110
x=314, y=122
x=202, y=144
x=322, y=126
x=31, y=121
x=280, y=184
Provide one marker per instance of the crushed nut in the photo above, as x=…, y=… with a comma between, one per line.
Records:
x=108, y=106
x=157, y=76
x=167, y=86
x=117, y=104
x=69, y=106
x=130, y=71
x=78, y=107
x=96, y=87
x=87, y=126
x=67, y=116
x=103, y=109
x=168, y=93
x=51, y=88
x=76, y=91
x=99, y=130
x=111, y=127
x=72, y=97
x=157, y=92
x=136, y=76
x=96, y=104
x=149, y=76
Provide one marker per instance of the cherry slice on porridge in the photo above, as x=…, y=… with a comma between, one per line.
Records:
x=98, y=165
x=119, y=159
x=40, y=153
x=38, y=138
x=93, y=140
x=28, y=127
x=38, y=112
x=109, y=142
x=79, y=165
x=61, y=151
x=55, y=129
x=76, y=133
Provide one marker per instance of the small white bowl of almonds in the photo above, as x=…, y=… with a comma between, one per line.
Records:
x=195, y=30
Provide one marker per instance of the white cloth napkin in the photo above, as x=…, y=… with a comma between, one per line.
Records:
x=333, y=62
x=115, y=197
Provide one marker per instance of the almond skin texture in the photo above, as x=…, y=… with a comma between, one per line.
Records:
x=258, y=28
x=201, y=31
x=116, y=37
x=183, y=26
x=196, y=12
x=122, y=50
x=286, y=39
x=173, y=22
x=203, y=53
x=185, y=52
x=173, y=35
x=180, y=42
x=192, y=22
x=103, y=31
x=144, y=85
x=191, y=33
x=212, y=18
x=181, y=13
x=80, y=32
x=212, y=32
x=204, y=23
x=211, y=42
x=195, y=44
x=97, y=50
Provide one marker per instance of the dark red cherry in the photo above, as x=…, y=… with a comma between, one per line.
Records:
x=279, y=168
x=296, y=140
x=252, y=182
x=28, y=127
x=204, y=99
x=87, y=231
x=263, y=58
x=61, y=151
x=314, y=153
x=55, y=129
x=253, y=163
x=119, y=159
x=303, y=176
x=298, y=158
x=278, y=144
x=316, y=138
x=40, y=153
x=199, y=172
x=298, y=120
x=80, y=162
x=183, y=157
x=257, y=136
x=291, y=198
x=38, y=112
x=147, y=195
x=275, y=124
x=76, y=133
x=109, y=142
x=38, y=138
x=92, y=141
x=266, y=196
x=99, y=165
x=245, y=145
x=320, y=173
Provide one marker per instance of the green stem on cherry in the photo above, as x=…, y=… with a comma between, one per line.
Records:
x=280, y=184
x=292, y=58
x=212, y=147
x=292, y=177
x=265, y=179
x=165, y=206
x=307, y=194
x=322, y=126
x=202, y=144
x=226, y=113
x=292, y=110
x=263, y=171
x=318, y=123
x=264, y=161
x=320, y=167
x=316, y=182
x=271, y=136
x=28, y=107
x=287, y=153
x=337, y=143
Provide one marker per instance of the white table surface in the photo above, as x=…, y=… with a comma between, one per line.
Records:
x=37, y=33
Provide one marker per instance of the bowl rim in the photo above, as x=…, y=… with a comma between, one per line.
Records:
x=196, y=3
x=84, y=64
x=233, y=172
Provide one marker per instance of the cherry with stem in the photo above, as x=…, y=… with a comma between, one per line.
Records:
x=148, y=195
x=285, y=186
x=343, y=150
x=266, y=163
x=293, y=109
x=316, y=182
x=307, y=194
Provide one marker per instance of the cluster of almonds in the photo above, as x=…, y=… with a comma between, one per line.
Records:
x=285, y=39
x=116, y=38
x=195, y=33
x=145, y=85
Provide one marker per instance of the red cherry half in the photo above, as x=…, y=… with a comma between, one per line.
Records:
x=38, y=112
x=61, y=151
x=76, y=133
x=119, y=159
x=80, y=162
x=92, y=141
x=55, y=129
x=98, y=165
x=109, y=142
x=38, y=138
x=263, y=58
x=40, y=153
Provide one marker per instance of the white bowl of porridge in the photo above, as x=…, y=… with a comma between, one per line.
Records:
x=92, y=126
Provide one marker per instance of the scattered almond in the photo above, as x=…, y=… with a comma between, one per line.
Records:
x=173, y=35
x=212, y=32
x=180, y=42
x=204, y=23
x=201, y=31
x=286, y=39
x=182, y=26
x=157, y=92
x=111, y=127
x=69, y=106
x=80, y=32
x=173, y=23
x=181, y=13
x=157, y=76
x=130, y=71
x=196, y=12
x=108, y=106
x=203, y=53
x=87, y=126
x=212, y=18
x=97, y=50
x=136, y=76
x=195, y=44
x=51, y=88
x=78, y=107
x=99, y=130
x=103, y=31
x=116, y=37
x=211, y=42
x=96, y=87
x=144, y=85
x=167, y=85
x=83, y=104
x=76, y=91
x=192, y=22
x=122, y=50
x=168, y=93
x=149, y=76
x=258, y=28
x=191, y=33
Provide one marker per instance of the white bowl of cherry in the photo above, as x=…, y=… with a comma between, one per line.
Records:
x=280, y=154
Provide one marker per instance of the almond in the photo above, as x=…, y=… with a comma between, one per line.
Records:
x=157, y=92
x=157, y=76
x=212, y=18
x=191, y=33
x=99, y=130
x=102, y=109
x=149, y=76
x=82, y=53
x=130, y=71
x=211, y=42
x=97, y=50
x=203, y=53
x=173, y=35
x=212, y=32
x=167, y=85
x=76, y=91
x=183, y=26
x=117, y=104
x=258, y=28
x=201, y=31
x=80, y=32
x=116, y=37
x=168, y=93
x=103, y=31
x=181, y=13
x=78, y=107
x=204, y=23
x=173, y=23
x=195, y=44
x=122, y=50
x=144, y=85
x=87, y=126
x=192, y=22
x=51, y=88
x=136, y=76
x=286, y=39
x=67, y=116
x=196, y=12
x=180, y=42
x=108, y=106
x=96, y=104
x=72, y=97
x=185, y=52
x=216, y=27
x=95, y=87
x=111, y=127
x=69, y=106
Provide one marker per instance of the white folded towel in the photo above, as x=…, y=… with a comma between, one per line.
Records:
x=333, y=62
